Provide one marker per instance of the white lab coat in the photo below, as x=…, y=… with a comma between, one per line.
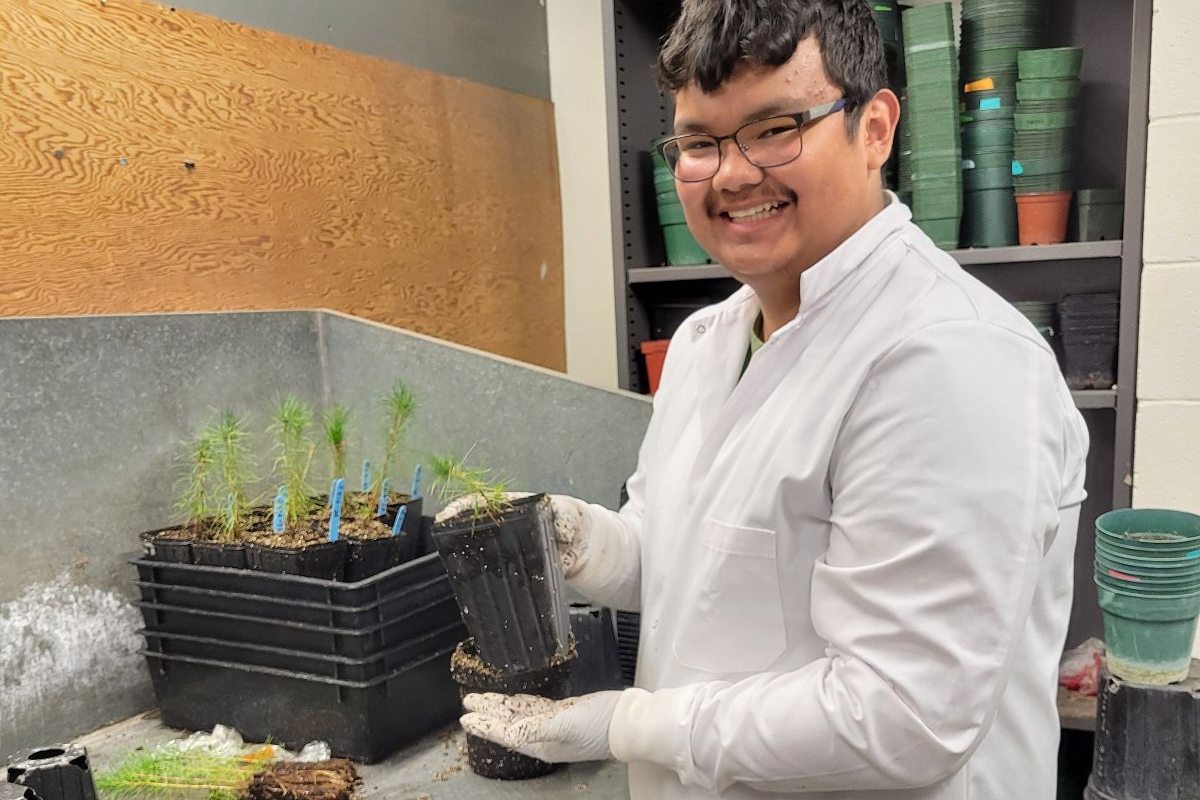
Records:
x=854, y=565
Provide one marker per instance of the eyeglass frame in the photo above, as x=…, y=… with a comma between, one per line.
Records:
x=803, y=119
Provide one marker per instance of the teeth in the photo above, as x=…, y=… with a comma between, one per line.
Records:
x=757, y=212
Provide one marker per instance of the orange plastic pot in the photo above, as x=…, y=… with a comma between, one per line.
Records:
x=655, y=352
x=1042, y=217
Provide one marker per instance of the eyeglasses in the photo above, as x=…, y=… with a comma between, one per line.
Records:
x=770, y=142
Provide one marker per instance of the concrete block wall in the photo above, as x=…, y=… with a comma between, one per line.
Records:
x=1167, y=433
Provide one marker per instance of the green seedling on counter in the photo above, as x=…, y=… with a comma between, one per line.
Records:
x=336, y=425
x=399, y=406
x=232, y=472
x=194, y=499
x=453, y=479
x=294, y=451
x=169, y=774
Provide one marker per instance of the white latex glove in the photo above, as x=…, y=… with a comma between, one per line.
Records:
x=575, y=729
x=571, y=524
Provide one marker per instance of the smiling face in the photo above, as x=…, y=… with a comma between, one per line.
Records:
x=766, y=226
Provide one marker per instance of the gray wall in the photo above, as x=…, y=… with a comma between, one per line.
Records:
x=94, y=413
x=500, y=43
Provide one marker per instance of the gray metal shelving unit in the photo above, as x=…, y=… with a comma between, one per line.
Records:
x=1111, y=151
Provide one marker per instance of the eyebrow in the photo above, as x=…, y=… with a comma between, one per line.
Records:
x=762, y=112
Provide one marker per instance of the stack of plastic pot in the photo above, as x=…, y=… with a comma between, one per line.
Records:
x=931, y=69
x=1099, y=215
x=682, y=247
x=363, y=666
x=1088, y=325
x=993, y=32
x=54, y=772
x=887, y=18
x=1148, y=583
x=1040, y=313
x=505, y=571
x=904, y=167
x=1044, y=152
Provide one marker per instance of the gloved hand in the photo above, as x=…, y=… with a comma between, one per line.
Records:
x=575, y=729
x=571, y=524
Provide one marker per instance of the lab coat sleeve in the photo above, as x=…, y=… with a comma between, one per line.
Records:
x=946, y=483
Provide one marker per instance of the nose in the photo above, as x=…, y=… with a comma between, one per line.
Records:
x=735, y=171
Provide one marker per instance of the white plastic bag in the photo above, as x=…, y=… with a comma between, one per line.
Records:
x=1079, y=669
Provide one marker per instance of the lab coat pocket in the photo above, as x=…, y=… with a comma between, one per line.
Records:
x=735, y=620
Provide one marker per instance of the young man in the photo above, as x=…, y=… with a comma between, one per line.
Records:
x=851, y=527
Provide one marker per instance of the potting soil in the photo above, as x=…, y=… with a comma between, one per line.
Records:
x=334, y=779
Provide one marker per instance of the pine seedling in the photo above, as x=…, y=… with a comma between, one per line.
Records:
x=453, y=479
x=194, y=500
x=232, y=473
x=399, y=406
x=294, y=451
x=336, y=425
x=170, y=774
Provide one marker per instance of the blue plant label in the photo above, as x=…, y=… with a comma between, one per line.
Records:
x=989, y=104
x=399, y=523
x=1018, y=168
x=336, y=493
x=280, y=511
x=416, y=485
x=381, y=509
x=366, y=476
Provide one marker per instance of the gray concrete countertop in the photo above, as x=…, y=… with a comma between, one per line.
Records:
x=434, y=768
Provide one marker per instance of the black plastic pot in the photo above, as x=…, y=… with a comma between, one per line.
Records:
x=308, y=663
x=245, y=627
x=362, y=720
x=57, y=772
x=508, y=581
x=1089, y=364
x=324, y=560
x=597, y=665
x=490, y=760
x=12, y=791
x=156, y=546
x=1146, y=742
x=231, y=555
x=367, y=557
x=629, y=630
x=292, y=587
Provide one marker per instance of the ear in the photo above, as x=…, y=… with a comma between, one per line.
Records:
x=880, y=116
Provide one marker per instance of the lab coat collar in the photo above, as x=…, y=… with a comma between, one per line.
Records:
x=818, y=281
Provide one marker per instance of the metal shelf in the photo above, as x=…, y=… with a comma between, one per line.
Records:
x=1072, y=251
x=1095, y=398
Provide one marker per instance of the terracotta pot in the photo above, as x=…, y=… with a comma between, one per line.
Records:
x=1042, y=217
x=655, y=352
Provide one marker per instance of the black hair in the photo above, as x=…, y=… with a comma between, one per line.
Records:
x=711, y=37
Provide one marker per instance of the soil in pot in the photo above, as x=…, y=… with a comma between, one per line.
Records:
x=490, y=760
x=508, y=583
x=371, y=546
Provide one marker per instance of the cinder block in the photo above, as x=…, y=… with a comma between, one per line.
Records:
x=1172, y=230
x=1176, y=30
x=1167, y=456
x=1169, y=333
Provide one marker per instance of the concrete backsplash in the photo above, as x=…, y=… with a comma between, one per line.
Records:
x=95, y=411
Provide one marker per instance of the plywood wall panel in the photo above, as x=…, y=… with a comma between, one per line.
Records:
x=319, y=178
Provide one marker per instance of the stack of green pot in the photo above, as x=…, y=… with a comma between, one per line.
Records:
x=682, y=247
x=931, y=68
x=904, y=180
x=887, y=17
x=1045, y=119
x=1040, y=313
x=1148, y=583
x=993, y=32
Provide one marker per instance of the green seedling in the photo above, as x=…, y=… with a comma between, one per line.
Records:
x=232, y=473
x=399, y=406
x=336, y=426
x=294, y=451
x=165, y=774
x=453, y=479
x=195, y=502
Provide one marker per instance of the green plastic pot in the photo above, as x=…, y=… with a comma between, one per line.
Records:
x=682, y=247
x=981, y=178
x=671, y=213
x=1144, y=587
x=1043, y=166
x=1149, y=640
x=943, y=231
x=1116, y=543
x=1043, y=121
x=989, y=218
x=1146, y=526
x=1047, y=89
x=989, y=160
x=979, y=135
x=1054, y=62
x=1156, y=568
x=1140, y=560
